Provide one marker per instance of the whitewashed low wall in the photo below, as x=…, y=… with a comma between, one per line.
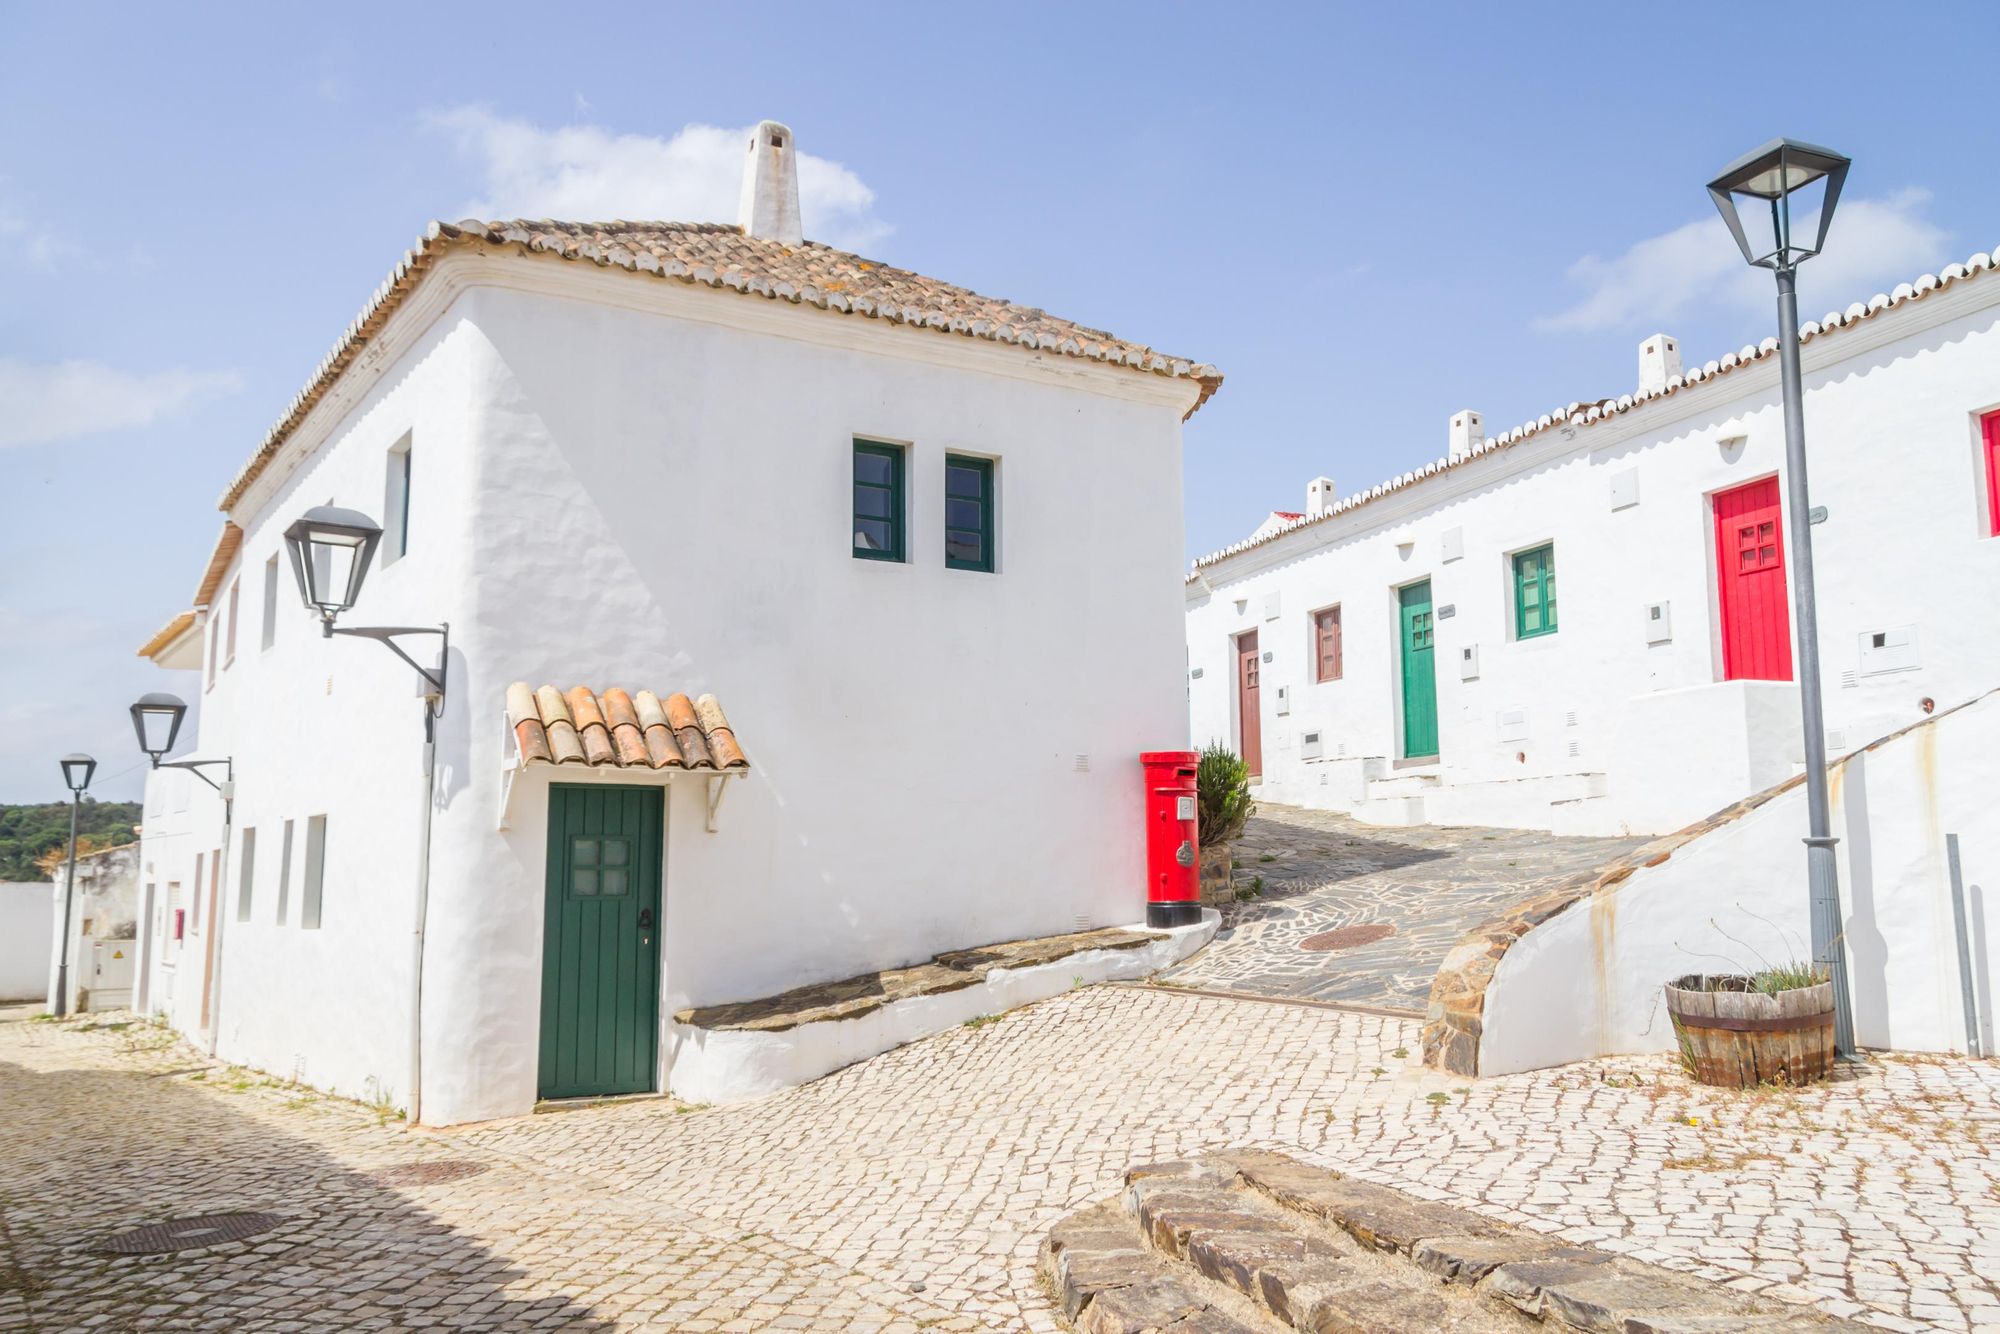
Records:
x=27, y=933
x=1588, y=981
x=713, y=1066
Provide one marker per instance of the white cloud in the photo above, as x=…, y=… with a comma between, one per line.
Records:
x=1874, y=244
x=587, y=173
x=39, y=404
x=26, y=239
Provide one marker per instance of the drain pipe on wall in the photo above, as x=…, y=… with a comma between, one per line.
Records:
x=423, y=910
x=433, y=708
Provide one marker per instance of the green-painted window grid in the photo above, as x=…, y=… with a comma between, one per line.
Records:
x=1535, y=592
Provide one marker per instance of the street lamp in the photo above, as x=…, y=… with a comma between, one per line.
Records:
x=76, y=772
x=330, y=550
x=1771, y=179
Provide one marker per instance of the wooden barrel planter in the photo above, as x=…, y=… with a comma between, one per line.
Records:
x=1735, y=1037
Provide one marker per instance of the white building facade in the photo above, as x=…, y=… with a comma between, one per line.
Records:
x=865, y=512
x=1585, y=625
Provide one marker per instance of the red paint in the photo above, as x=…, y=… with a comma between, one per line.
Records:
x=180, y=923
x=1249, y=719
x=1750, y=568
x=1991, y=425
x=1172, y=874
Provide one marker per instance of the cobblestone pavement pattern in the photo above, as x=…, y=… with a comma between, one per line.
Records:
x=911, y=1191
x=1321, y=871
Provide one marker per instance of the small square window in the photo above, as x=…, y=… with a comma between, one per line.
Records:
x=583, y=852
x=583, y=881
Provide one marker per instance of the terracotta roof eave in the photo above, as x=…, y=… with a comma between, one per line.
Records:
x=1580, y=414
x=166, y=635
x=809, y=274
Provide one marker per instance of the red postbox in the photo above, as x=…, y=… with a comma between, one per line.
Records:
x=1173, y=874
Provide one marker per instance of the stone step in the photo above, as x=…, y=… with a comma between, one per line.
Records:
x=1258, y=1243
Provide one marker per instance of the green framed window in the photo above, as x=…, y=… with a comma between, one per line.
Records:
x=968, y=513
x=1535, y=592
x=878, y=501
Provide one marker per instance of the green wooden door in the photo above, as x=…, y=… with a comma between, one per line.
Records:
x=600, y=941
x=1420, y=703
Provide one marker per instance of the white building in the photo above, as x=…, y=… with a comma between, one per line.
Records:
x=1583, y=624
x=922, y=544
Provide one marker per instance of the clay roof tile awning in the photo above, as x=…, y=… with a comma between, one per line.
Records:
x=619, y=730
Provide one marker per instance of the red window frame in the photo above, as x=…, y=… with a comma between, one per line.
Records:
x=1325, y=635
x=1990, y=428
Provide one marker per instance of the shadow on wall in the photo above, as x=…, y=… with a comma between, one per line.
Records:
x=1867, y=948
x=86, y=1146
x=1579, y=974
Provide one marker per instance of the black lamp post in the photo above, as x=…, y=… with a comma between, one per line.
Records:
x=330, y=550
x=76, y=772
x=1770, y=179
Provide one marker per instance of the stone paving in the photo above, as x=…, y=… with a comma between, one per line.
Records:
x=911, y=1191
x=1321, y=871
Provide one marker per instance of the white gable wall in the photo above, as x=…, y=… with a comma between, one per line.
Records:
x=624, y=482
x=1892, y=425
x=665, y=503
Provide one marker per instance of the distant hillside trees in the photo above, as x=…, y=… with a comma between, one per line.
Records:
x=33, y=838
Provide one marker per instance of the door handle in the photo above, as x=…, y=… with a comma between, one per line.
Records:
x=645, y=919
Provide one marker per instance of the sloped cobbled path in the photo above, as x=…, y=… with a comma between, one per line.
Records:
x=1322, y=871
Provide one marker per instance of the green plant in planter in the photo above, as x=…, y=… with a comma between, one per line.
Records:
x=1222, y=786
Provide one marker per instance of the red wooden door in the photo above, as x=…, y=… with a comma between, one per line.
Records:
x=1250, y=722
x=1750, y=565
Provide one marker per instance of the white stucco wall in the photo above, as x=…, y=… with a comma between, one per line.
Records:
x=27, y=925
x=619, y=481
x=1892, y=422
x=1588, y=982
x=104, y=907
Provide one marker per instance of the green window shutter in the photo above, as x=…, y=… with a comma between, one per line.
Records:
x=878, y=501
x=968, y=513
x=1535, y=592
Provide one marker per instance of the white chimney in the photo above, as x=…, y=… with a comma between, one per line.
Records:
x=1319, y=497
x=1659, y=362
x=1468, y=432
x=770, y=204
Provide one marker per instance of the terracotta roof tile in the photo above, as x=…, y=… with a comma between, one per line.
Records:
x=227, y=544
x=720, y=256
x=620, y=730
x=167, y=634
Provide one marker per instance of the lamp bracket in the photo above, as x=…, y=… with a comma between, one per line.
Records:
x=385, y=635
x=227, y=787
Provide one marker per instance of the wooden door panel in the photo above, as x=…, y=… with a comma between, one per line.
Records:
x=1250, y=718
x=1752, y=596
x=1417, y=636
x=600, y=953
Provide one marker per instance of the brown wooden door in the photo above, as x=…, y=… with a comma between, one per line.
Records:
x=1250, y=722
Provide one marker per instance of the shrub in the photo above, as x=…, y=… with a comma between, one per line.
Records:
x=1222, y=783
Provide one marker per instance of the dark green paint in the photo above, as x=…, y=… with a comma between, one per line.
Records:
x=1535, y=592
x=600, y=966
x=1420, y=705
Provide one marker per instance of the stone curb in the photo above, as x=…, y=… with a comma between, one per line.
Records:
x=1250, y=1241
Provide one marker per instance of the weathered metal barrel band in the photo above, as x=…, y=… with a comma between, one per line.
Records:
x=1786, y=1024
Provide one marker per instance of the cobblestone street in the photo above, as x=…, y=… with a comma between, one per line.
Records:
x=911, y=1191
x=1348, y=912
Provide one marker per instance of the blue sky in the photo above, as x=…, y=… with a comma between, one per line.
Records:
x=1367, y=217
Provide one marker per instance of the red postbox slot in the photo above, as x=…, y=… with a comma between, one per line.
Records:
x=1173, y=853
